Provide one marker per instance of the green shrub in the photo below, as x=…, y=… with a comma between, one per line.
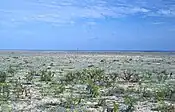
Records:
x=3, y=77
x=57, y=88
x=11, y=71
x=4, y=91
x=71, y=102
x=163, y=107
x=162, y=76
x=46, y=75
x=20, y=89
x=115, y=90
x=83, y=75
x=129, y=102
x=70, y=76
x=160, y=94
x=93, y=89
x=116, y=107
x=130, y=76
x=30, y=76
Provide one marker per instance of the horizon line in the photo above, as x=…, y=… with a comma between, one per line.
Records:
x=77, y=50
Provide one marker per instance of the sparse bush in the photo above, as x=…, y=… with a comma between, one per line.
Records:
x=46, y=75
x=30, y=76
x=4, y=91
x=70, y=76
x=3, y=77
x=20, y=89
x=130, y=76
x=93, y=89
x=170, y=88
x=112, y=76
x=11, y=70
x=102, y=102
x=116, y=107
x=163, y=107
x=160, y=94
x=162, y=76
x=71, y=102
x=129, y=102
x=147, y=76
x=51, y=64
x=114, y=91
x=96, y=75
x=57, y=88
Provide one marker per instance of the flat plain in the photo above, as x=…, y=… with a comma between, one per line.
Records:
x=45, y=81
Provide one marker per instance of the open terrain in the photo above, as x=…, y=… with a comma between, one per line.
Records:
x=32, y=81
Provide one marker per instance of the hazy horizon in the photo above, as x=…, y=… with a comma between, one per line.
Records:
x=86, y=50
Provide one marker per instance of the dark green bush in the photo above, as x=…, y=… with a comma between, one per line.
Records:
x=3, y=77
x=46, y=75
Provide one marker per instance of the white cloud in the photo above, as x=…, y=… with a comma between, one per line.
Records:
x=158, y=23
x=166, y=12
x=68, y=11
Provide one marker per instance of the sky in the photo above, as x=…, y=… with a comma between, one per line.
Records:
x=87, y=24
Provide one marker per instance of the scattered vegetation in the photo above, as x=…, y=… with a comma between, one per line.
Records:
x=129, y=102
x=3, y=77
x=46, y=75
x=115, y=84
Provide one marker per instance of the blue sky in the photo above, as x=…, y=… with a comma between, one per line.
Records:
x=87, y=24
